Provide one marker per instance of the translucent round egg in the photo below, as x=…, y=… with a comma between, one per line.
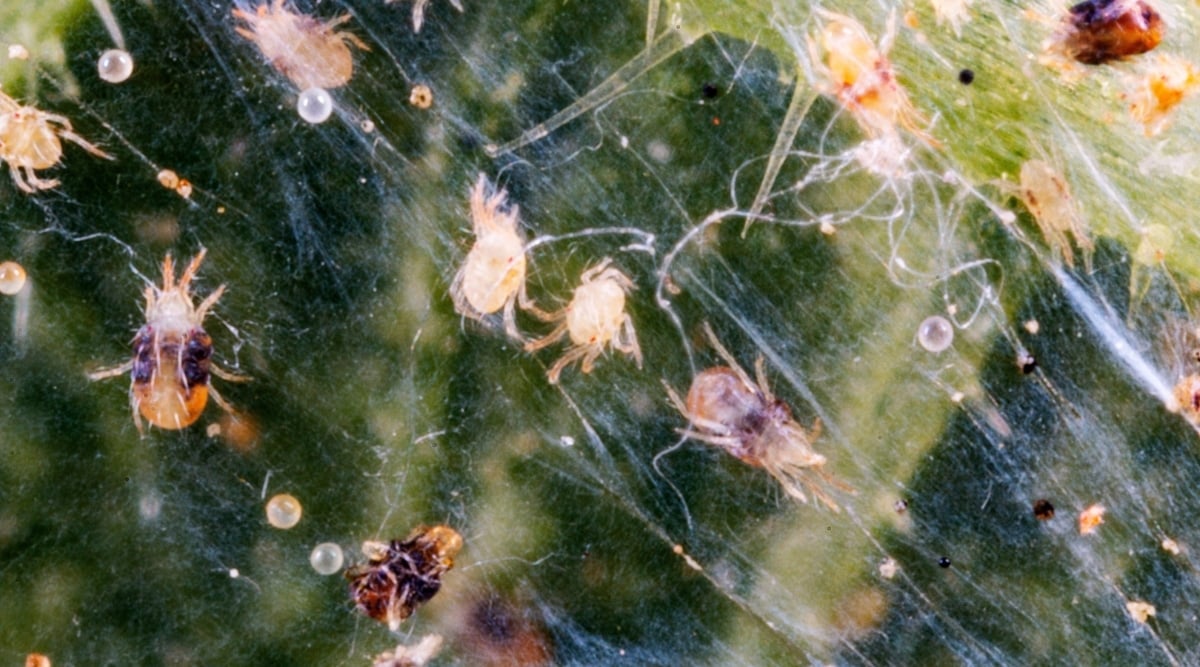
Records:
x=12, y=278
x=283, y=511
x=326, y=558
x=115, y=65
x=935, y=333
x=315, y=105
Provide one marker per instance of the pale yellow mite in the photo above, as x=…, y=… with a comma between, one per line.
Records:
x=858, y=74
x=595, y=319
x=492, y=278
x=31, y=139
x=305, y=49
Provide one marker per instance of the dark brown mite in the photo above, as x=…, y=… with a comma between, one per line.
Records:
x=403, y=574
x=1101, y=31
x=172, y=368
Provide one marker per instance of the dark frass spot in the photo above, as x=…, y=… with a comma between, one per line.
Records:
x=710, y=90
x=944, y=562
x=1026, y=362
x=966, y=77
x=1043, y=509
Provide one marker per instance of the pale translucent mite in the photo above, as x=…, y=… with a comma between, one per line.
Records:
x=171, y=368
x=858, y=74
x=741, y=415
x=305, y=49
x=1045, y=193
x=594, y=319
x=492, y=277
x=31, y=139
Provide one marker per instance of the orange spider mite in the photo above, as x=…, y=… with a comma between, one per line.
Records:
x=172, y=367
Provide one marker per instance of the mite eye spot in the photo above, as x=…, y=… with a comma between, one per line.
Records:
x=966, y=77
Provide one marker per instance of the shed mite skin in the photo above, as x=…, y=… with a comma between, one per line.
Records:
x=595, y=319
x=860, y=77
x=303, y=48
x=492, y=277
x=741, y=415
x=172, y=367
x=31, y=139
x=401, y=575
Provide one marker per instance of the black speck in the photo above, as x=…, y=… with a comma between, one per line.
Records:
x=944, y=562
x=1026, y=361
x=1043, y=510
x=966, y=77
x=710, y=90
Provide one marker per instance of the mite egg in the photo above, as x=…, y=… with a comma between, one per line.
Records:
x=284, y=511
x=12, y=278
x=314, y=105
x=115, y=65
x=326, y=558
x=935, y=333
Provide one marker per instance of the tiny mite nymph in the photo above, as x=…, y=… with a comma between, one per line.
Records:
x=741, y=415
x=172, y=366
x=594, y=320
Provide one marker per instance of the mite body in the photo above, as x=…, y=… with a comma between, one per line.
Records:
x=1095, y=32
x=594, y=320
x=492, y=277
x=727, y=408
x=172, y=367
x=856, y=72
x=303, y=48
x=31, y=139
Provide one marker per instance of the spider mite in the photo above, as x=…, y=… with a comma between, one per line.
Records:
x=1157, y=89
x=594, y=319
x=1045, y=193
x=493, y=275
x=727, y=408
x=859, y=76
x=172, y=367
x=32, y=139
x=403, y=574
x=1095, y=32
x=303, y=48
